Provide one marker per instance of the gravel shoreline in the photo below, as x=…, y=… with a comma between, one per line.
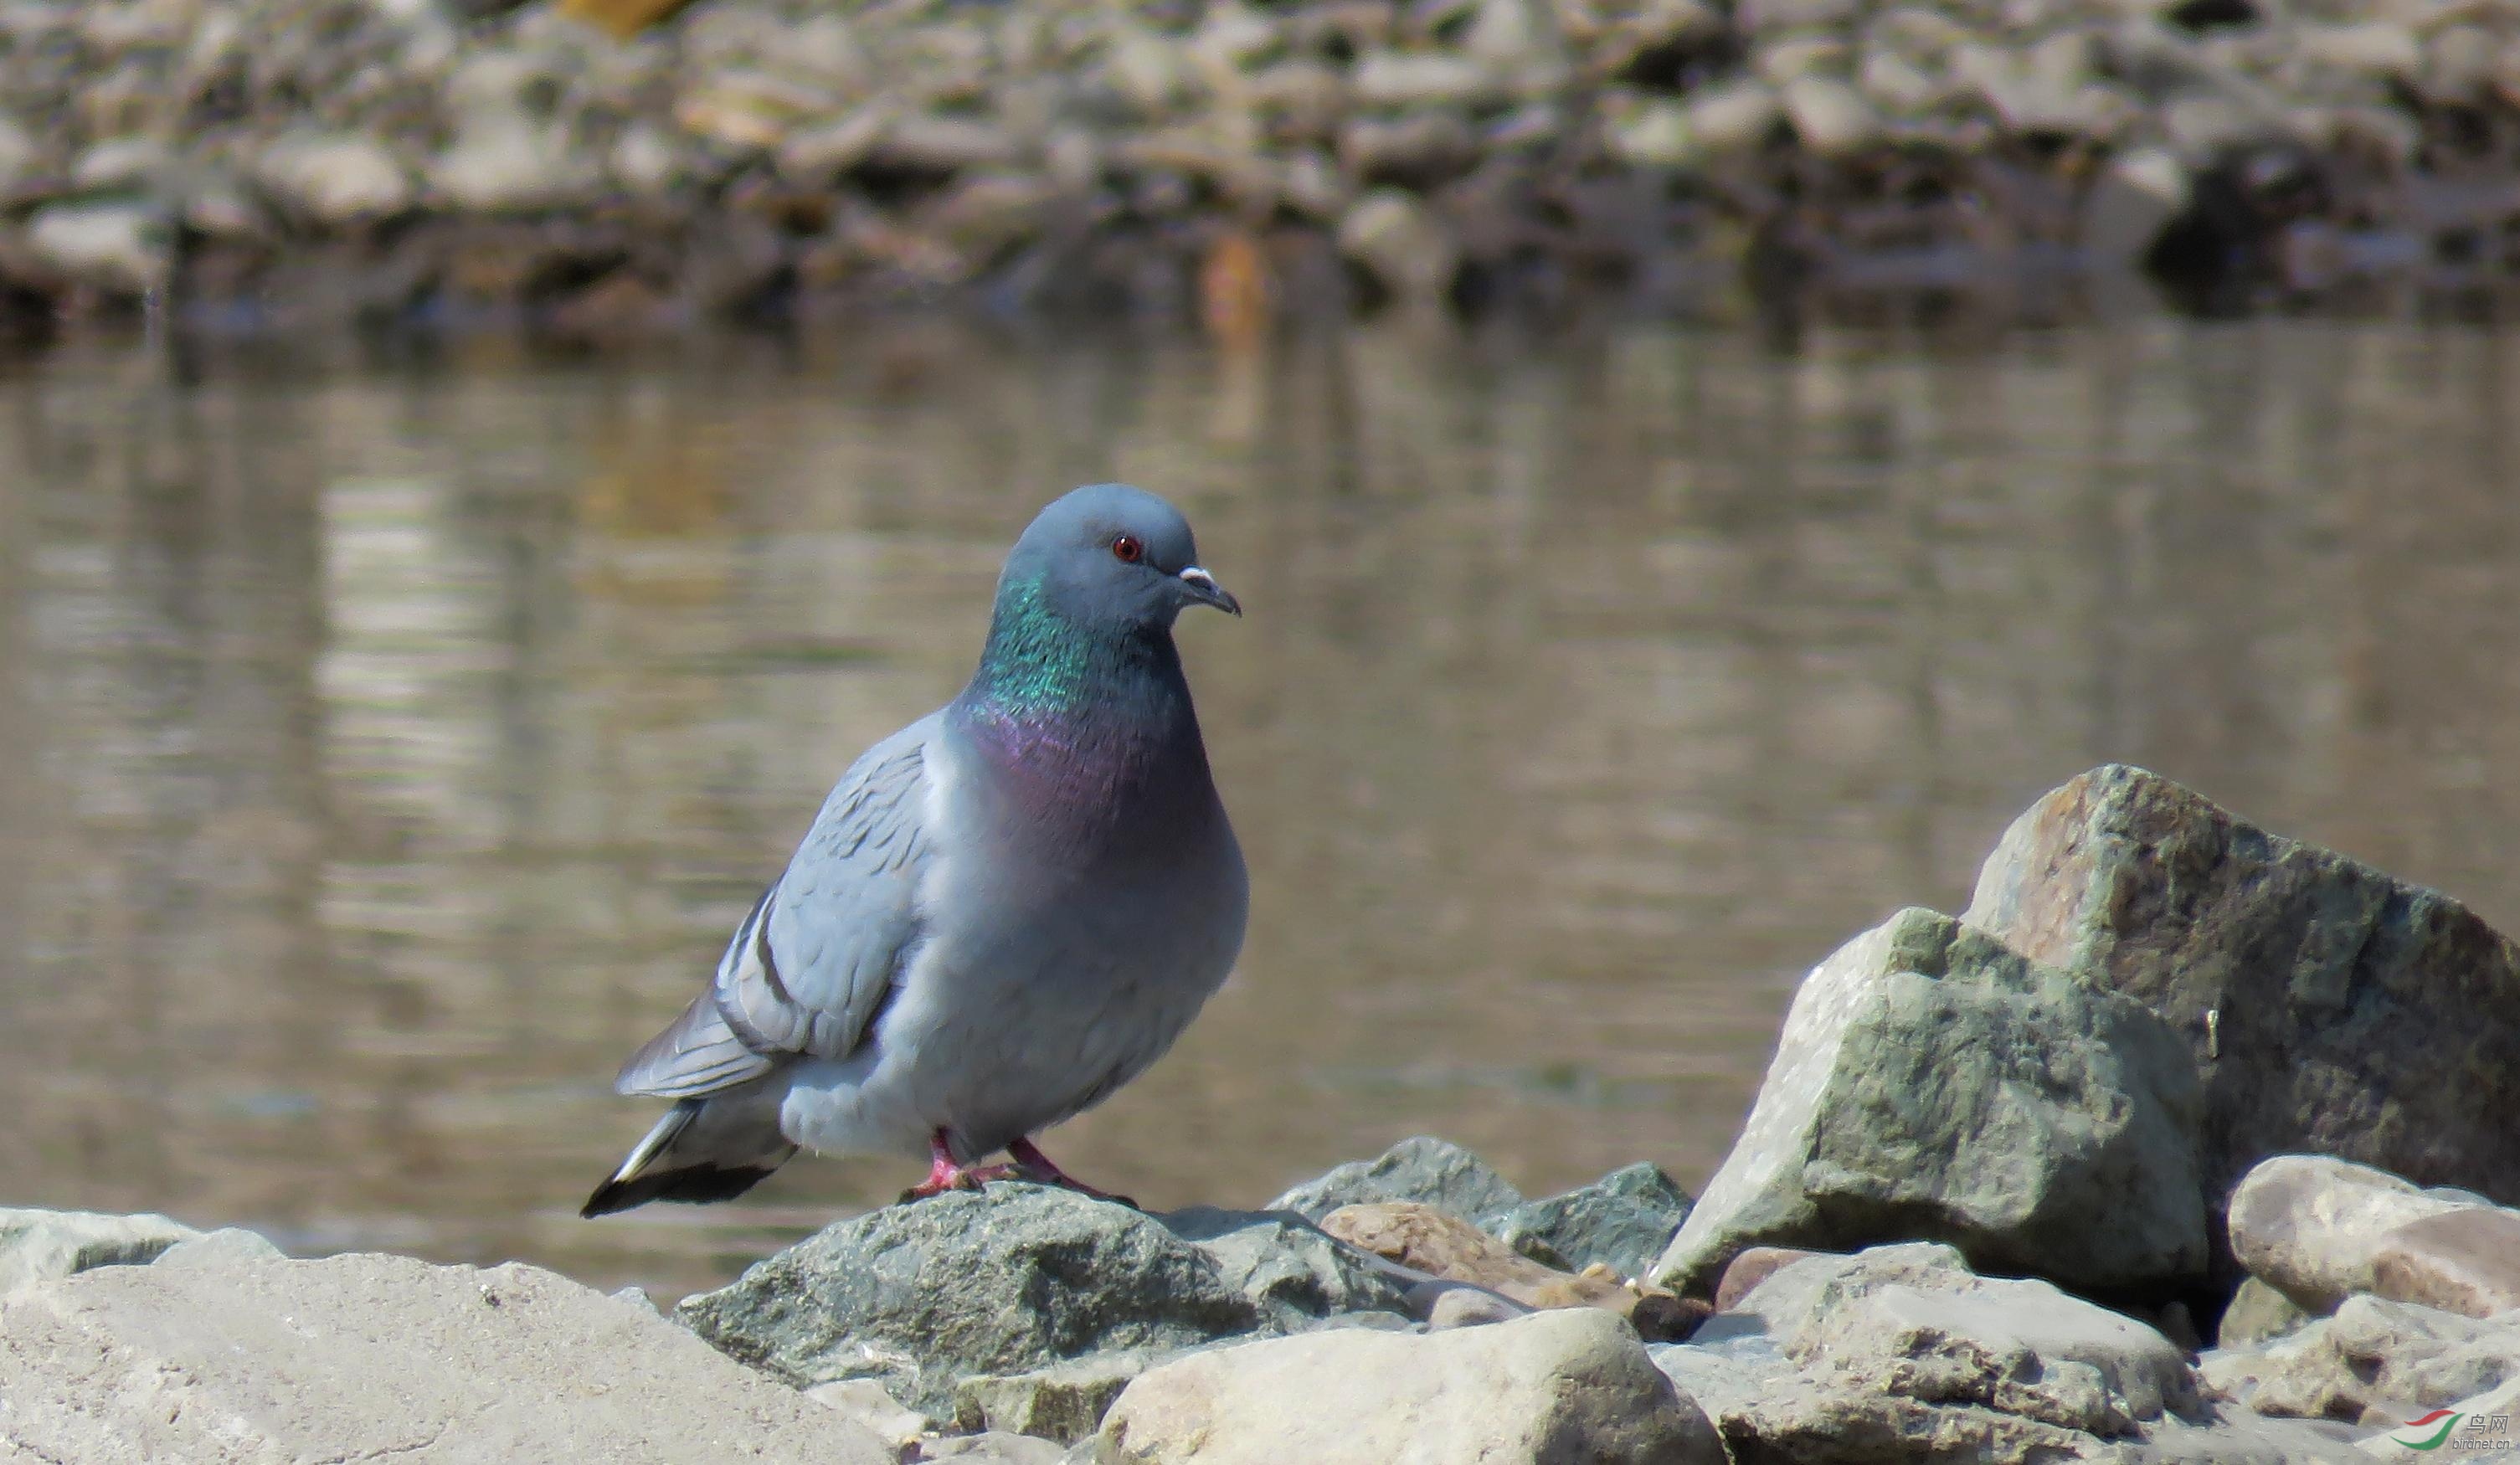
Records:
x=271, y=162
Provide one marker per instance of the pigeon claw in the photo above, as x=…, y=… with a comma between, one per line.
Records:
x=1038, y=1167
x=945, y=1173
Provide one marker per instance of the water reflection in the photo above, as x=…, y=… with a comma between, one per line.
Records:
x=393, y=741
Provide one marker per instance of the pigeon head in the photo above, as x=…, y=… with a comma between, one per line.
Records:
x=1085, y=610
x=1110, y=559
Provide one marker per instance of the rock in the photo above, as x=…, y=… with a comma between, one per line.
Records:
x=1931, y=1084
x=1064, y=1401
x=647, y=160
x=2356, y=1015
x=944, y=145
x=1734, y=116
x=1471, y=1308
x=228, y=1246
x=1829, y=116
x=2230, y=1436
x=1797, y=58
x=1899, y=1351
x=1898, y=85
x=2370, y=48
x=2312, y=1227
x=1015, y=1279
x=1406, y=250
x=995, y=1448
x=2258, y=1313
x=1432, y=1171
x=1404, y=79
x=1551, y=1387
x=2058, y=1357
x=2128, y=206
x=2465, y=1262
x=816, y=156
x=361, y=1357
x=1622, y=1221
x=1648, y=132
x=41, y=1245
x=17, y=155
x=1442, y=1244
x=334, y=180
x=1287, y=1266
x=123, y=248
x=873, y=1408
x=1419, y=150
x=1751, y=1267
x=123, y=164
x=2370, y=1363
x=637, y=1297
x=505, y=156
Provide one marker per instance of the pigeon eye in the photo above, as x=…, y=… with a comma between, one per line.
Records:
x=1128, y=549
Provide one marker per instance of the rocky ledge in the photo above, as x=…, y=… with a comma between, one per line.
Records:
x=267, y=162
x=2184, y=1142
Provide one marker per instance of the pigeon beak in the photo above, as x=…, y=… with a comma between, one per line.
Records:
x=1203, y=588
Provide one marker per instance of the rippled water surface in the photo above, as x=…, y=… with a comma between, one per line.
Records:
x=391, y=741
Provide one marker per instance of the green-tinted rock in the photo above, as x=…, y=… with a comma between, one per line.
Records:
x=1931, y=1084
x=1019, y=1278
x=1622, y=1221
x=40, y=1245
x=1064, y=1401
x=2259, y=1315
x=2354, y=1014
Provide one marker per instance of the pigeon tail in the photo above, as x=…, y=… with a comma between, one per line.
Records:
x=702, y=1150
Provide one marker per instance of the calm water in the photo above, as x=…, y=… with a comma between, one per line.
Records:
x=391, y=742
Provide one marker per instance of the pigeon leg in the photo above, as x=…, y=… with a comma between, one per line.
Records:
x=1032, y=1164
x=944, y=1175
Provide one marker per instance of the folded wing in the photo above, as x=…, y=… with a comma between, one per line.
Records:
x=812, y=965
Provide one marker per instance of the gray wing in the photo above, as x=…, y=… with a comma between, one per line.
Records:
x=810, y=966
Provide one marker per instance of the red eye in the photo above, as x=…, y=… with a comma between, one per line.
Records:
x=1128, y=549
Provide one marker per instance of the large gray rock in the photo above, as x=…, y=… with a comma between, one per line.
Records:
x=1899, y=1353
x=40, y=1245
x=2313, y=1227
x=1931, y=1084
x=1622, y=1221
x=1433, y=1172
x=360, y=1357
x=1017, y=1278
x=2377, y=1362
x=1557, y=1388
x=2355, y=1015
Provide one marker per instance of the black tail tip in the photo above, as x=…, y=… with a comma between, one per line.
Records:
x=697, y=1183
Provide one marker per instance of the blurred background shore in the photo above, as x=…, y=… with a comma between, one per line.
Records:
x=607, y=167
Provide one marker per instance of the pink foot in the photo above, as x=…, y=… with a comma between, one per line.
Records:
x=944, y=1175
x=1033, y=1165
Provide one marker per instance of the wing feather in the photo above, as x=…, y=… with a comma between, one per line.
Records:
x=811, y=965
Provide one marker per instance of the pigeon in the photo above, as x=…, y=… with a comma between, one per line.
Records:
x=1004, y=911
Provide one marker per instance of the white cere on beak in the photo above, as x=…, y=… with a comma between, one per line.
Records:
x=1209, y=591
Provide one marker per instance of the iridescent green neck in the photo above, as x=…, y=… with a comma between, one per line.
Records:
x=1040, y=666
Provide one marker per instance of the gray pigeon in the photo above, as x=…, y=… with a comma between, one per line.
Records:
x=1005, y=911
